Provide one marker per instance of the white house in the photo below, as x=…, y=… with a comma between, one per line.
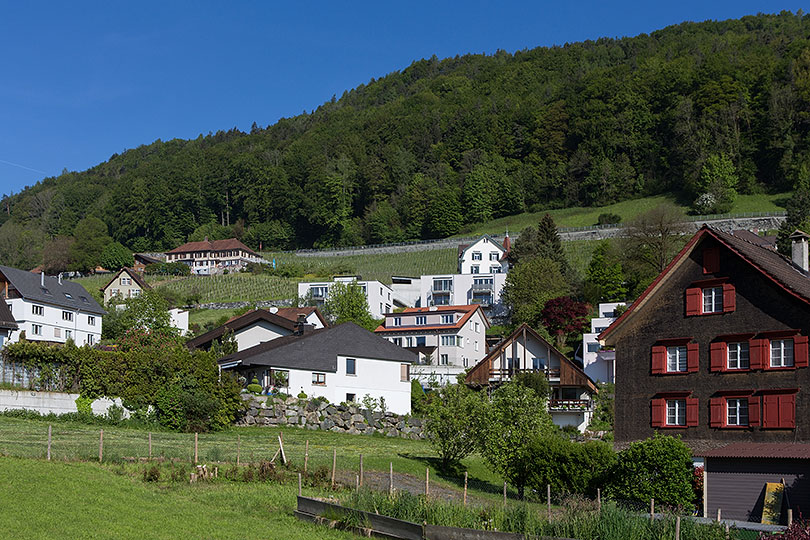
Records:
x=599, y=363
x=458, y=289
x=406, y=291
x=342, y=363
x=448, y=339
x=261, y=325
x=380, y=297
x=126, y=283
x=484, y=256
x=50, y=309
x=570, y=403
x=214, y=256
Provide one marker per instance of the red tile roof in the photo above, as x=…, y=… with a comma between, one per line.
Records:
x=761, y=451
x=467, y=310
x=212, y=245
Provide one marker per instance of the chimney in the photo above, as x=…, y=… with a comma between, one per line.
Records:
x=799, y=250
x=507, y=243
x=42, y=278
x=60, y=278
x=299, y=324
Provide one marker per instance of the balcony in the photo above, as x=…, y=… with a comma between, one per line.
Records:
x=557, y=405
x=508, y=373
x=441, y=289
x=483, y=287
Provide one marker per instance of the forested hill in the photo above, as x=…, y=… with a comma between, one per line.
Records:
x=423, y=151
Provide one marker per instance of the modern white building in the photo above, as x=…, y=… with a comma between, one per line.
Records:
x=342, y=363
x=448, y=339
x=484, y=256
x=380, y=297
x=600, y=363
x=570, y=403
x=49, y=308
x=406, y=290
x=214, y=256
x=460, y=289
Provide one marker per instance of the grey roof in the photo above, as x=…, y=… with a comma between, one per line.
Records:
x=53, y=293
x=318, y=350
x=7, y=321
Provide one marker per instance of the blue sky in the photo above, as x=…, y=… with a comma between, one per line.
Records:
x=80, y=81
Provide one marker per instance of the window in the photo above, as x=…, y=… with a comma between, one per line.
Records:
x=444, y=359
x=421, y=319
x=126, y=281
x=475, y=269
x=350, y=398
x=676, y=412
x=447, y=319
x=36, y=329
x=38, y=310
x=476, y=327
x=537, y=364
x=475, y=348
x=441, y=300
x=494, y=255
x=738, y=356
x=459, y=341
x=397, y=321
x=319, y=292
x=114, y=292
x=84, y=300
x=68, y=334
x=68, y=296
x=409, y=341
x=67, y=315
x=45, y=291
x=476, y=256
x=404, y=372
x=57, y=332
x=91, y=339
x=398, y=341
x=495, y=269
x=737, y=412
x=593, y=347
x=319, y=379
x=781, y=353
x=713, y=300
x=444, y=285
x=91, y=321
x=420, y=341
x=676, y=359
x=451, y=341
x=779, y=409
x=351, y=367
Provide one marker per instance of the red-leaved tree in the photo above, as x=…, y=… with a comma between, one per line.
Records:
x=564, y=316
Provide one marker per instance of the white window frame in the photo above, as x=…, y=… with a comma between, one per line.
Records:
x=398, y=341
x=68, y=334
x=738, y=355
x=737, y=412
x=67, y=316
x=36, y=329
x=421, y=319
x=677, y=359
x=676, y=412
x=476, y=256
x=447, y=319
x=91, y=320
x=397, y=321
x=782, y=353
x=318, y=379
x=712, y=298
x=494, y=255
x=475, y=269
x=444, y=359
x=38, y=311
x=91, y=339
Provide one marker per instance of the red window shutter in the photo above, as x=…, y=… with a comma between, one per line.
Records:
x=694, y=301
x=717, y=354
x=753, y=410
x=800, y=351
x=716, y=411
x=659, y=359
x=692, y=405
x=770, y=411
x=711, y=260
x=659, y=412
x=692, y=357
x=729, y=297
x=757, y=353
x=787, y=411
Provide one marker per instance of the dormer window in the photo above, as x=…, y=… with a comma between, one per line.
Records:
x=421, y=319
x=447, y=319
x=68, y=296
x=397, y=321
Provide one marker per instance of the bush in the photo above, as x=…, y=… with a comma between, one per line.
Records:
x=608, y=219
x=254, y=387
x=453, y=421
x=658, y=468
x=569, y=467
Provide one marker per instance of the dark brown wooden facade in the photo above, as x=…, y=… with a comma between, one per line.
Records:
x=765, y=303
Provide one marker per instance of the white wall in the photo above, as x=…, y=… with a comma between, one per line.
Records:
x=487, y=248
x=598, y=364
x=52, y=323
x=462, y=293
x=50, y=402
x=179, y=320
x=379, y=296
x=256, y=333
x=408, y=294
x=578, y=419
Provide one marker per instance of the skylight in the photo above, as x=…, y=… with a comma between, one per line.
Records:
x=84, y=299
x=68, y=296
x=46, y=291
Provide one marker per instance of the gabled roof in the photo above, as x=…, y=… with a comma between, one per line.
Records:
x=292, y=313
x=68, y=294
x=462, y=248
x=467, y=310
x=240, y=322
x=760, y=451
x=474, y=376
x=146, y=258
x=131, y=273
x=773, y=266
x=212, y=245
x=7, y=321
x=318, y=350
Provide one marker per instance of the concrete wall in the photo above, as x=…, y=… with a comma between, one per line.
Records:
x=49, y=402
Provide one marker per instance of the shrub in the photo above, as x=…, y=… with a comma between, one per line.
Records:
x=84, y=405
x=151, y=474
x=453, y=421
x=658, y=468
x=569, y=467
x=254, y=387
x=608, y=219
x=302, y=395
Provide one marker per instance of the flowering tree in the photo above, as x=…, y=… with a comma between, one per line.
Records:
x=564, y=316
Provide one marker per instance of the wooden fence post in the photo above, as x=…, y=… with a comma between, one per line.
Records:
x=789, y=517
x=195, y=447
x=677, y=527
x=427, y=481
x=718, y=514
x=357, y=482
x=652, y=509
x=504, y=494
x=49, y=442
x=299, y=484
x=150, y=446
x=598, y=499
x=360, y=480
x=100, y=445
x=548, y=500
x=306, y=456
x=238, y=448
x=465, y=488
x=334, y=465
x=390, y=478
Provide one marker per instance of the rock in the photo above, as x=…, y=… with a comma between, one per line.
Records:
x=391, y=433
x=323, y=405
x=327, y=424
x=249, y=420
x=266, y=412
x=291, y=400
x=291, y=412
x=246, y=397
x=336, y=429
x=357, y=418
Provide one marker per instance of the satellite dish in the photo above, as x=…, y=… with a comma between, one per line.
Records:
x=273, y=309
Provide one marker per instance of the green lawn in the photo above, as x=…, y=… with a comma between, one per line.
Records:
x=54, y=499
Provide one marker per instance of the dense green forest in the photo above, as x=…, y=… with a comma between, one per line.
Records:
x=424, y=151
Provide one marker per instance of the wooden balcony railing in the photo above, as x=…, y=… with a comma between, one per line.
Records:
x=508, y=373
x=570, y=405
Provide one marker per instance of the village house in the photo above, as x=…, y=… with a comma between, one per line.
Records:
x=378, y=295
x=342, y=363
x=458, y=289
x=484, y=256
x=261, y=325
x=572, y=391
x=214, y=256
x=447, y=339
x=126, y=283
x=142, y=260
x=597, y=361
x=49, y=308
x=715, y=351
x=7, y=323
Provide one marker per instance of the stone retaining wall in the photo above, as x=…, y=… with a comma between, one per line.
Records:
x=308, y=414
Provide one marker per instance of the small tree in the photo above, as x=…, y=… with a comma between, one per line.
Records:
x=452, y=422
x=516, y=416
x=531, y=284
x=653, y=238
x=564, y=316
x=347, y=302
x=115, y=256
x=717, y=185
x=658, y=468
